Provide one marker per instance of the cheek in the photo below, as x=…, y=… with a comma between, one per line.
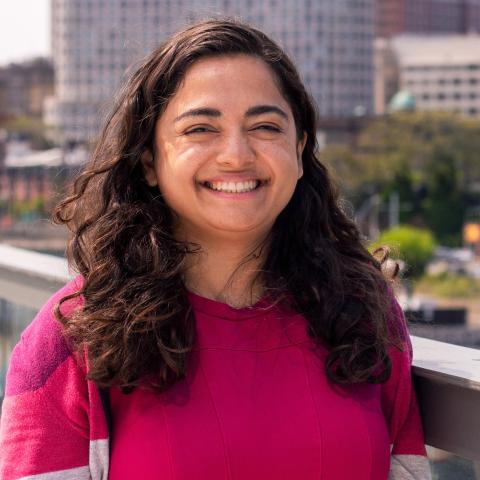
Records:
x=177, y=169
x=286, y=162
x=176, y=181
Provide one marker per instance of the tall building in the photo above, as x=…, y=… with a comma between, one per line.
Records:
x=426, y=16
x=390, y=17
x=95, y=42
x=440, y=73
x=473, y=16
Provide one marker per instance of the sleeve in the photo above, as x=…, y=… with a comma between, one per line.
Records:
x=408, y=455
x=52, y=424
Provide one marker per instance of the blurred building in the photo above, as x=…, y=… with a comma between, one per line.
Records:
x=95, y=42
x=30, y=180
x=426, y=16
x=440, y=72
x=24, y=87
x=387, y=74
x=3, y=149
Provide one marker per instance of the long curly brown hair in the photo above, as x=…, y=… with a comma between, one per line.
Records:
x=136, y=322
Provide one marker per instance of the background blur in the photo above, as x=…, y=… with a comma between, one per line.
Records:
x=397, y=84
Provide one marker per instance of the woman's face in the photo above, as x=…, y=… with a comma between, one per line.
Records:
x=227, y=159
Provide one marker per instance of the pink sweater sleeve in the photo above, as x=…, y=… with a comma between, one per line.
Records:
x=52, y=421
x=408, y=455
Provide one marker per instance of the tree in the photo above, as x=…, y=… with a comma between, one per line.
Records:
x=413, y=154
x=414, y=246
x=444, y=206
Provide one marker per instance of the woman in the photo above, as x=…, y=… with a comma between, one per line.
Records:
x=227, y=321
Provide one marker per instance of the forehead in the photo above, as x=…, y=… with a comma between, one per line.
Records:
x=228, y=80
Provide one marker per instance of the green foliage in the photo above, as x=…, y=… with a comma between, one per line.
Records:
x=430, y=159
x=413, y=140
x=449, y=285
x=444, y=207
x=403, y=184
x=412, y=245
x=28, y=209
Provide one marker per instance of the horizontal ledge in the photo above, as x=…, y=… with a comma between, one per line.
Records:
x=446, y=363
x=34, y=264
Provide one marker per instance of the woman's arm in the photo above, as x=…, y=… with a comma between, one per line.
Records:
x=408, y=455
x=52, y=424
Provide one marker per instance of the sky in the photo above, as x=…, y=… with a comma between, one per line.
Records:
x=24, y=29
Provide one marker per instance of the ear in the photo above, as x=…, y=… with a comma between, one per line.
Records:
x=148, y=166
x=300, y=147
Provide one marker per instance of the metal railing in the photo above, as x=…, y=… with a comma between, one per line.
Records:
x=447, y=377
x=29, y=278
x=447, y=380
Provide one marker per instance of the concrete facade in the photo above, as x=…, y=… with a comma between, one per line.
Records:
x=441, y=72
x=95, y=42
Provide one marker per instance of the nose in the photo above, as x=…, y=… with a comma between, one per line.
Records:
x=236, y=151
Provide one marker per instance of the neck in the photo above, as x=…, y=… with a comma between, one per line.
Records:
x=226, y=270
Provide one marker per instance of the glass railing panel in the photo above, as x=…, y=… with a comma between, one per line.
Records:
x=14, y=319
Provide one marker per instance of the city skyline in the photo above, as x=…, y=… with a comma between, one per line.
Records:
x=95, y=45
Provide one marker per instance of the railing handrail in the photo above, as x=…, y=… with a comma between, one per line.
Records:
x=34, y=264
x=447, y=376
x=446, y=363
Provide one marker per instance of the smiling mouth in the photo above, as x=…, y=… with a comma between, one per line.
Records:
x=234, y=187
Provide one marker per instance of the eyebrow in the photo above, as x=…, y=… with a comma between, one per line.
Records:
x=260, y=109
x=251, y=112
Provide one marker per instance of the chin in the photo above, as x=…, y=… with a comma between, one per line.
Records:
x=239, y=227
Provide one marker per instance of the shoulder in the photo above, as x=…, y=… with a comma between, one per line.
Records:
x=43, y=345
x=400, y=353
x=397, y=325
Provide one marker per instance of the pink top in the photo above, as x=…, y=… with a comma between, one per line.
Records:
x=255, y=405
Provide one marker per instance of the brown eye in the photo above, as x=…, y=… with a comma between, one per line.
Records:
x=197, y=130
x=268, y=127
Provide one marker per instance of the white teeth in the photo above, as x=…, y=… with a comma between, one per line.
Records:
x=232, y=187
